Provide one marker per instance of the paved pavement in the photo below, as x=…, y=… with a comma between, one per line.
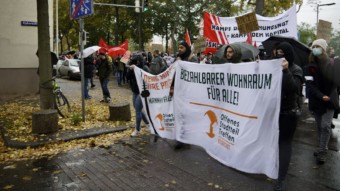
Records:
x=142, y=164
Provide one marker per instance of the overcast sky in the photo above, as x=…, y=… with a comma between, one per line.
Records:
x=331, y=13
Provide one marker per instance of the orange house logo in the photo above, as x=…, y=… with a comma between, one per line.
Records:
x=213, y=119
x=160, y=117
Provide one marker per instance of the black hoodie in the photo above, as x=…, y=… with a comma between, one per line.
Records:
x=292, y=80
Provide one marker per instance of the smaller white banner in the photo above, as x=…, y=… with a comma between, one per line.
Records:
x=158, y=105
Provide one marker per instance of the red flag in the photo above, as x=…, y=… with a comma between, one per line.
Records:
x=216, y=36
x=105, y=47
x=187, y=38
x=250, y=39
x=116, y=51
x=125, y=45
x=255, y=44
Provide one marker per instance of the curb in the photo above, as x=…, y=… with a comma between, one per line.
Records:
x=58, y=136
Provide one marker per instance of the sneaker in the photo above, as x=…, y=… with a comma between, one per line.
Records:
x=179, y=145
x=148, y=127
x=333, y=126
x=89, y=97
x=135, y=133
x=108, y=100
x=321, y=157
x=279, y=186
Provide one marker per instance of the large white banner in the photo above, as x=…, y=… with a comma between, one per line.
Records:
x=223, y=30
x=231, y=110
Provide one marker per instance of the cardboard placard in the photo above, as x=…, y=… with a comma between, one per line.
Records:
x=247, y=23
x=324, y=30
x=125, y=59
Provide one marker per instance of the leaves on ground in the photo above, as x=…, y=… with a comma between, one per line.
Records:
x=7, y=187
x=16, y=118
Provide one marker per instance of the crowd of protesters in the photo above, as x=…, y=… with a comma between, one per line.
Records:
x=316, y=74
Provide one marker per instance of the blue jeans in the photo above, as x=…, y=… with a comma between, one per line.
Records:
x=105, y=90
x=140, y=115
x=119, y=77
x=86, y=88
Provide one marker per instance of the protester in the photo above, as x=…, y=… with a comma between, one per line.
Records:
x=137, y=61
x=185, y=54
x=88, y=74
x=169, y=60
x=104, y=72
x=207, y=59
x=157, y=64
x=120, y=66
x=232, y=54
x=292, y=80
x=322, y=94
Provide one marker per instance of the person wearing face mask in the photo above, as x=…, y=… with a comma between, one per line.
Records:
x=292, y=79
x=323, y=98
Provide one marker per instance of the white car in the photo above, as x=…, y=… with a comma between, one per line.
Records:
x=69, y=68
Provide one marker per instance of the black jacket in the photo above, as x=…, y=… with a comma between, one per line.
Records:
x=320, y=75
x=292, y=80
x=104, y=69
x=89, y=67
x=132, y=78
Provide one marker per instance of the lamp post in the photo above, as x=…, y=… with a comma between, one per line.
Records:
x=317, y=11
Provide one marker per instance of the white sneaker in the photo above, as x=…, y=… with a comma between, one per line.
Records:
x=148, y=127
x=135, y=133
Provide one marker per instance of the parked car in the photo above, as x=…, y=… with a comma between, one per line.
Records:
x=70, y=68
x=56, y=67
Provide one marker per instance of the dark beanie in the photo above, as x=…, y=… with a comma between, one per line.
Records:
x=288, y=51
x=185, y=44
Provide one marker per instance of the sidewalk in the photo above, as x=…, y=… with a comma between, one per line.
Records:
x=142, y=164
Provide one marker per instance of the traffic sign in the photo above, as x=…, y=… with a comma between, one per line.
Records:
x=80, y=8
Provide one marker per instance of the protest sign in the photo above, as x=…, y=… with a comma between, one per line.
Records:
x=247, y=23
x=324, y=30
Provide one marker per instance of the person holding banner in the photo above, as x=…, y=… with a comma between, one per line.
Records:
x=137, y=61
x=231, y=54
x=322, y=95
x=292, y=80
x=185, y=54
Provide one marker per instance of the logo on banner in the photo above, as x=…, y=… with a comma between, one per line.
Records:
x=160, y=117
x=213, y=119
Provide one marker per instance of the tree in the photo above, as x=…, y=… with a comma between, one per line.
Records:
x=307, y=33
x=335, y=42
x=269, y=7
x=45, y=66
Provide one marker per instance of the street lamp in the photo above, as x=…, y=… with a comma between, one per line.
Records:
x=317, y=11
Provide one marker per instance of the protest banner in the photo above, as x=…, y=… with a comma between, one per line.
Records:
x=224, y=30
x=231, y=110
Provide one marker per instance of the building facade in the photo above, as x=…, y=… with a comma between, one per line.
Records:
x=18, y=47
